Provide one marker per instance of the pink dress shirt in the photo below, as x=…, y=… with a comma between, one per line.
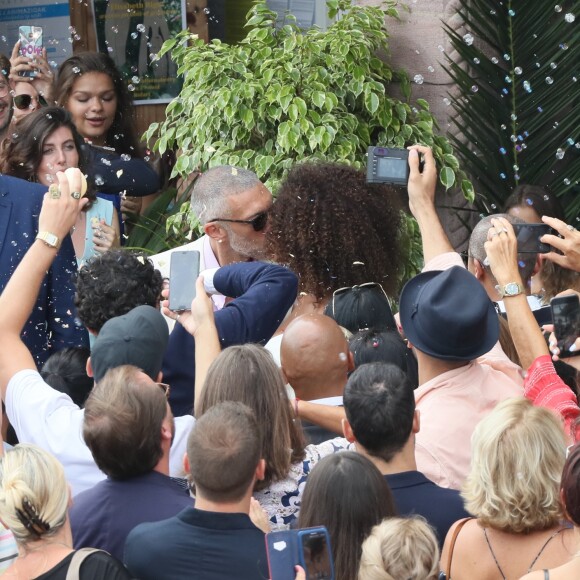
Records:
x=452, y=404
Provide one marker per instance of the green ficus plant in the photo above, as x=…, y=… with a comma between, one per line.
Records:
x=285, y=95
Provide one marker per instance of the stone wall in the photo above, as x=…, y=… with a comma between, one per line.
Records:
x=418, y=44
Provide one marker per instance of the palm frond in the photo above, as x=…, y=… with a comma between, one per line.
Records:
x=517, y=111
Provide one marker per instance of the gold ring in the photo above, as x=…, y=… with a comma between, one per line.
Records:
x=76, y=194
x=54, y=190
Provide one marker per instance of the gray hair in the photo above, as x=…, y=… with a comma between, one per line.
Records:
x=215, y=186
x=526, y=262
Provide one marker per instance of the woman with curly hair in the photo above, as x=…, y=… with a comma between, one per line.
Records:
x=513, y=490
x=336, y=230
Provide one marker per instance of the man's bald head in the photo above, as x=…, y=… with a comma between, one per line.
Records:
x=315, y=357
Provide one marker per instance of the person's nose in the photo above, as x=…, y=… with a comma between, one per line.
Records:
x=96, y=104
x=60, y=157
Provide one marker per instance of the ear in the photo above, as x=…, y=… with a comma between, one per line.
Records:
x=166, y=431
x=159, y=377
x=261, y=470
x=416, y=422
x=347, y=430
x=89, y=368
x=186, y=463
x=478, y=269
x=350, y=357
x=214, y=231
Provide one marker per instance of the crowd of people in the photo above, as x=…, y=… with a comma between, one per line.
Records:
x=431, y=429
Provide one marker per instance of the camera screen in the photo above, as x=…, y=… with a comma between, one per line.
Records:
x=316, y=556
x=391, y=167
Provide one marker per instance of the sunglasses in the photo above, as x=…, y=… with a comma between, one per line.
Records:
x=165, y=388
x=23, y=102
x=358, y=286
x=258, y=223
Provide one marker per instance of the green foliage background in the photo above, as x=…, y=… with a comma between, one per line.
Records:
x=283, y=96
x=519, y=94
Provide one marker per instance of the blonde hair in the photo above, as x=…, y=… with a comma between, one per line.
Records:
x=517, y=455
x=32, y=481
x=400, y=548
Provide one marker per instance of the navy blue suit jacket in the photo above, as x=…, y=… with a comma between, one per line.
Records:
x=263, y=295
x=51, y=325
x=414, y=494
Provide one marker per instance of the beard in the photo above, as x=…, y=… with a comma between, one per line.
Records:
x=247, y=248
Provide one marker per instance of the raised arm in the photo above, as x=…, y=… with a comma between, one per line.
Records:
x=421, y=188
x=541, y=385
x=57, y=217
x=501, y=250
x=200, y=323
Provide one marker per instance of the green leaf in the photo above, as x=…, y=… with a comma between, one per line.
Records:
x=447, y=177
x=372, y=102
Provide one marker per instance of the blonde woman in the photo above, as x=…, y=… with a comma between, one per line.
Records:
x=400, y=548
x=513, y=491
x=34, y=500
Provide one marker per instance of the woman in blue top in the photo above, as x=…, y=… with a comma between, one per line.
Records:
x=91, y=88
x=47, y=142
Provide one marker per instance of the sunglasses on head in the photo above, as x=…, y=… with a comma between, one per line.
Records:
x=23, y=102
x=356, y=287
x=165, y=388
x=258, y=223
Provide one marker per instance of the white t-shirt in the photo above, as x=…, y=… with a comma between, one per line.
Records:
x=45, y=417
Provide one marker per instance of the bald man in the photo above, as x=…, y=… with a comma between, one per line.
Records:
x=316, y=362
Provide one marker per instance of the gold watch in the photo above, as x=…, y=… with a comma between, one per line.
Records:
x=49, y=239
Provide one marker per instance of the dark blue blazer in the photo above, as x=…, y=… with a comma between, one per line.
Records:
x=414, y=494
x=263, y=295
x=51, y=325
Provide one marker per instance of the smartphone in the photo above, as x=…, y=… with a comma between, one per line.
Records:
x=315, y=554
x=528, y=236
x=30, y=45
x=183, y=273
x=566, y=319
x=309, y=548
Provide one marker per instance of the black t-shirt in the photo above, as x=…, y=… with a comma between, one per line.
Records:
x=97, y=566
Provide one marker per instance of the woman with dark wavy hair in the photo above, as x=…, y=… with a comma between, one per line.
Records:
x=44, y=143
x=91, y=88
x=336, y=230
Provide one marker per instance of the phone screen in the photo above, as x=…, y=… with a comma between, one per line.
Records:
x=566, y=318
x=316, y=553
x=184, y=270
x=528, y=236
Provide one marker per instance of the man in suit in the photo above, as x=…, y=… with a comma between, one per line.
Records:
x=382, y=423
x=51, y=325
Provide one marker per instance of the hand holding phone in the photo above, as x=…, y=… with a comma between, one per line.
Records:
x=528, y=237
x=183, y=273
x=308, y=548
x=30, y=46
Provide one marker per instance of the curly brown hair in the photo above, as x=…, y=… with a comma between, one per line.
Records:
x=334, y=229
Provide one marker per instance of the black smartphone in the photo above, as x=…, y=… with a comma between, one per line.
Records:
x=566, y=319
x=183, y=273
x=315, y=555
x=528, y=236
